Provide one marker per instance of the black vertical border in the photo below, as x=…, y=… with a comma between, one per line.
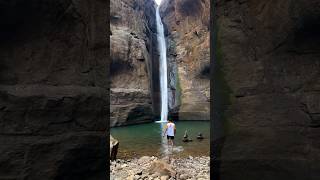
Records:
x=108, y=33
x=212, y=167
x=216, y=103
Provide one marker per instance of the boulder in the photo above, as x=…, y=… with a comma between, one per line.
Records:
x=114, y=145
x=163, y=168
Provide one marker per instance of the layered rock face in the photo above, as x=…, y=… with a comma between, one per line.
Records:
x=134, y=66
x=187, y=33
x=267, y=88
x=53, y=89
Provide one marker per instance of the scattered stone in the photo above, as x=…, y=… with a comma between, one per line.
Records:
x=183, y=168
x=139, y=172
x=144, y=159
x=164, y=178
x=162, y=167
x=118, y=168
x=130, y=177
x=136, y=177
x=184, y=176
x=155, y=175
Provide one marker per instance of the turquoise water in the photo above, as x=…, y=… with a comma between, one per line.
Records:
x=145, y=139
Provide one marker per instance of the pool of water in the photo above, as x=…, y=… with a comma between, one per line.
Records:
x=146, y=139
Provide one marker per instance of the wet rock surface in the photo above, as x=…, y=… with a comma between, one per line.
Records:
x=268, y=89
x=154, y=168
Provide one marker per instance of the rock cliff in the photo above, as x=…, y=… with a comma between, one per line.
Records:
x=266, y=89
x=187, y=38
x=134, y=66
x=53, y=89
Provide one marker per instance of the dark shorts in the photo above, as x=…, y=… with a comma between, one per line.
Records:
x=170, y=137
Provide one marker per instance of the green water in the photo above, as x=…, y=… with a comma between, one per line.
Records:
x=145, y=139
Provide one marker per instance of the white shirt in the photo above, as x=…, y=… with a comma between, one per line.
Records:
x=170, y=129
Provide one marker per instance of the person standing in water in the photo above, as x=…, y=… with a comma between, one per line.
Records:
x=170, y=130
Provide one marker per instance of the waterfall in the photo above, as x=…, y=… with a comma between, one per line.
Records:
x=163, y=83
x=163, y=67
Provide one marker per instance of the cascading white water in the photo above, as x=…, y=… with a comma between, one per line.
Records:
x=163, y=67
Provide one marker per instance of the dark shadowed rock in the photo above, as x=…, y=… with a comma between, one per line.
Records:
x=53, y=89
x=267, y=88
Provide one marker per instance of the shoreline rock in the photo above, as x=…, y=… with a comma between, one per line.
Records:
x=147, y=167
x=114, y=144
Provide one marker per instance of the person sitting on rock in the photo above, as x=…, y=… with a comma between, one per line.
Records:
x=199, y=136
x=185, y=137
x=170, y=130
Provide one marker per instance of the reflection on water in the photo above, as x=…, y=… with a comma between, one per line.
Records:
x=146, y=139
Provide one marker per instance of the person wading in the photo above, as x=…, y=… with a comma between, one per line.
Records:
x=170, y=130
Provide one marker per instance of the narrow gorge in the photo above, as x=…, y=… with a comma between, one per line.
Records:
x=135, y=61
x=160, y=68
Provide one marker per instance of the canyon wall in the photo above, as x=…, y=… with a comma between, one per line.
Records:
x=267, y=89
x=134, y=62
x=187, y=34
x=53, y=89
